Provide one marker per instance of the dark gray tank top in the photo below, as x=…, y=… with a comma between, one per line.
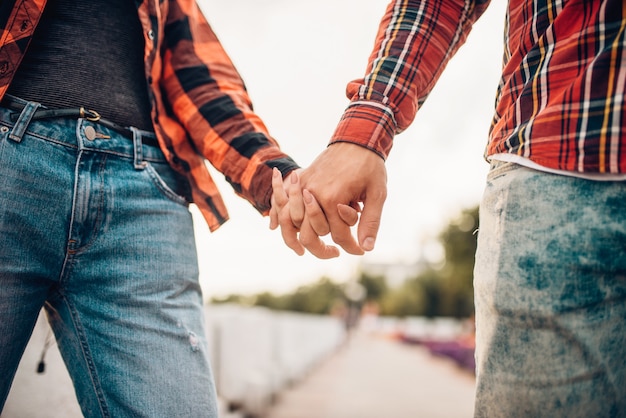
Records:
x=90, y=54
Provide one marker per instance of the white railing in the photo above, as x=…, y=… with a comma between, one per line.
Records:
x=255, y=353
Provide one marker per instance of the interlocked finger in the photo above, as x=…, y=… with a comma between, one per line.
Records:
x=315, y=214
x=312, y=242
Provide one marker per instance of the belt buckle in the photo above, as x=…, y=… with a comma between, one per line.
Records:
x=90, y=115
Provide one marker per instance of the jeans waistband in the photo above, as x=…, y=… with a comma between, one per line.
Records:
x=20, y=117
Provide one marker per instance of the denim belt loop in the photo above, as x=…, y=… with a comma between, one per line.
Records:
x=23, y=121
x=140, y=164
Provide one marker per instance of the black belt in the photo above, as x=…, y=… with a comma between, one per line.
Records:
x=74, y=113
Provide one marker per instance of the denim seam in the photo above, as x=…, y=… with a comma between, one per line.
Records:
x=75, y=147
x=501, y=168
x=42, y=137
x=87, y=357
x=98, y=220
x=163, y=187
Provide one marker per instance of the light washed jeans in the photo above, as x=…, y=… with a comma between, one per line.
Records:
x=99, y=233
x=550, y=289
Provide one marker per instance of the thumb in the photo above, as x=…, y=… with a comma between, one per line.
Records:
x=348, y=214
x=369, y=223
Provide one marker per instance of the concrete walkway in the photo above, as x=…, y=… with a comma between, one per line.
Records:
x=376, y=377
x=372, y=376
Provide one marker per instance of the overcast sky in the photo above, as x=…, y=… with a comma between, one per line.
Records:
x=296, y=58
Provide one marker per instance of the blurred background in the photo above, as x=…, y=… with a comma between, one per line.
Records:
x=296, y=59
x=389, y=333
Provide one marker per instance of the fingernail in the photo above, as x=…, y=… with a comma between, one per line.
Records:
x=294, y=177
x=368, y=243
x=307, y=196
x=275, y=172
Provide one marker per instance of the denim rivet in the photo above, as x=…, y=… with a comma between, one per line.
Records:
x=90, y=133
x=4, y=129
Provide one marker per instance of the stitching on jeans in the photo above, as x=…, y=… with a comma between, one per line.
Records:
x=99, y=218
x=84, y=346
x=162, y=186
x=501, y=169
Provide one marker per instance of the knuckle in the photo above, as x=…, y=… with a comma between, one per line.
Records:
x=309, y=242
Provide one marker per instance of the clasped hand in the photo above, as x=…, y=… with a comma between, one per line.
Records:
x=327, y=197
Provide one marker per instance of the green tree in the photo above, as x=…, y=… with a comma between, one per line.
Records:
x=405, y=300
x=459, y=244
x=439, y=290
x=375, y=286
x=316, y=298
x=271, y=301
x=446, y=289
x=232, y=298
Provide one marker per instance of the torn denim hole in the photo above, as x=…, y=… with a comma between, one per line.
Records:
x=194, y=341
x=192, y=337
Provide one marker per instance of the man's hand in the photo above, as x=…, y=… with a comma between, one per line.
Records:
x=341, y=178
x=287, y=211
x=327, y=197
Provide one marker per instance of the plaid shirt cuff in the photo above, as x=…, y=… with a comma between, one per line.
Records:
x=369, y=124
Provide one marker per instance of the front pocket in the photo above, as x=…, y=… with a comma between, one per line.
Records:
x=169, y=182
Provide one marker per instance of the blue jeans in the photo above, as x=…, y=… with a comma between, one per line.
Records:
x=550, y=290
x=98, y=232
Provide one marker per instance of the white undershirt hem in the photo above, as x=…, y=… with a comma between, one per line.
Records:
x=512, y=158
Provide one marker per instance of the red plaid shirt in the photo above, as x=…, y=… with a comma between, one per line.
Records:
x=560, y=102
x=200, y=107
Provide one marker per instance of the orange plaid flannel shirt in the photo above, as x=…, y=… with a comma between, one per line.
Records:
x=200, y=108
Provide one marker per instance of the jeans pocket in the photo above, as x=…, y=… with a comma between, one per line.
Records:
x=169, y=182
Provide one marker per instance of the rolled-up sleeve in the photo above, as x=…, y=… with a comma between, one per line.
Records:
x=415, y=41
